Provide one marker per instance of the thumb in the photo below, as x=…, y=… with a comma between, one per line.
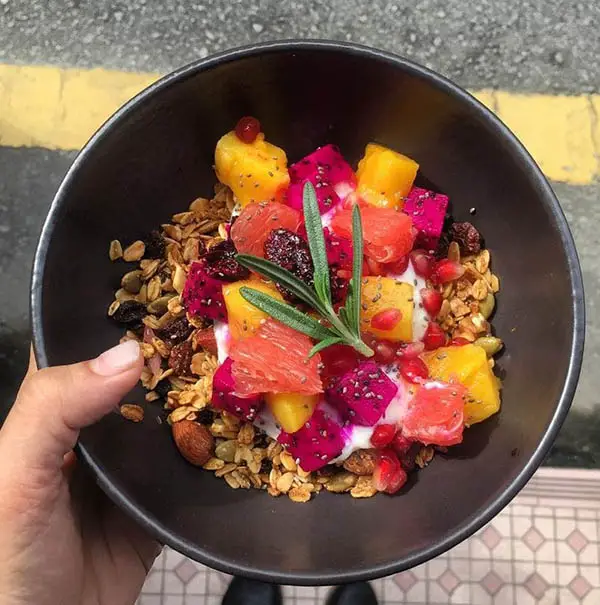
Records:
x=53, y=404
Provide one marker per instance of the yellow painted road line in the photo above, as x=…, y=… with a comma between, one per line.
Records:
x=60, y=108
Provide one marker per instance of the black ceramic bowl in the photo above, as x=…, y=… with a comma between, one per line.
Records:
x=156, y=154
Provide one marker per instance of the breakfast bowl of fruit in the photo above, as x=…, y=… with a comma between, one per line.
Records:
x=358, y=301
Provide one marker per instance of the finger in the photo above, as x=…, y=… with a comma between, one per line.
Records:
x=55, y=403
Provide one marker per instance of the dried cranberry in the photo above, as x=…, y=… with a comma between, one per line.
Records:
x=205, y=416
x=266, y=466
x=247, y=129
x=130, y=313
x=220, y=262
x=467, y=237
x=176, y=331
x=155, y=245
x=290, y=251
x=180, y=358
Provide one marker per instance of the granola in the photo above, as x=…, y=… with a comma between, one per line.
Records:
x=180, y=357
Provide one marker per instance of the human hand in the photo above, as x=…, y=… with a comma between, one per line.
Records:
x=62, y=542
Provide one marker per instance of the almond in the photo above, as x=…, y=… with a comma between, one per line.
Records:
x=194, y=441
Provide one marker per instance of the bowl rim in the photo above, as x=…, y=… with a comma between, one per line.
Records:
x=480, y=518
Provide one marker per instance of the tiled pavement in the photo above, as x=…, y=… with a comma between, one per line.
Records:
x=543, y=549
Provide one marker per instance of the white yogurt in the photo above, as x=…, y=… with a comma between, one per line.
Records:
x=420, y=316
x=223, y=338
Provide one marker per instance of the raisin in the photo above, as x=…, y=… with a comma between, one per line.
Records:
x=163, y=388
x=130, y=313
x=266, y=466
x=290, y=251
x=155, y=245
x=261, y=440
x=205, y=416
x=180, y=358
x=467, y=237
x=220, y=262
x=176, y=331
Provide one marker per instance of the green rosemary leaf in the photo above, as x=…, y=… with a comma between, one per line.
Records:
x=357, y=263
x=327, y=342
x=283, y=277
x=316, y=243
x=286, y=314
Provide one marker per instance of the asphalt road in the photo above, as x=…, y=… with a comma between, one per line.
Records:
x=529, y=45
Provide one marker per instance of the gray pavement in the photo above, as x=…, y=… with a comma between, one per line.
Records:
x=537, y=45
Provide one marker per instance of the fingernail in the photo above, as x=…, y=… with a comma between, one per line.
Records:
x=116, y=360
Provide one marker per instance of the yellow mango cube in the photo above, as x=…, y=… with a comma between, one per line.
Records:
x=255, y=172
x=469, y=365
x=378, y=295
x=385, y=176
x=243, y=317
x=291, y=410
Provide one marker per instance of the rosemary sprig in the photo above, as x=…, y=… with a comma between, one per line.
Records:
x=333, y=328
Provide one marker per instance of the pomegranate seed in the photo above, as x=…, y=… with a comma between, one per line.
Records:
x=383, y=435
x=401, y=444
x=397, y=268
x=447, y=270
x=389, y=476
x=410, y=350
x=247, y=129
x=422, y=262
x=386, y=319
x=459, y=341
x=434, y=337
x=432, y=301
x=374, y=268
x=414, y=370
x=385, y=351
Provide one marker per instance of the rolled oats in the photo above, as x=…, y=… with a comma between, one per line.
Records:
x=221, y=472
x=246, y=434
x=284, y=483
x=134, y=252
x=115, y=250
x=132, y=412
x=113, y=307
x=214, y=464
x=299, y=494
x=287, y=461
x=364, y=488
x=232, y=481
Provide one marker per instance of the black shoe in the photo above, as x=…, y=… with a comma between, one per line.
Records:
x=251, y=592
x=360, y=593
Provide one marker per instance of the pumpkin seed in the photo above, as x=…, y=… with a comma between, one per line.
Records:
x=341, y=482
x=487, y=305
x=226, y=450
x=132, y=281
x=160, y=304
x=490, y=344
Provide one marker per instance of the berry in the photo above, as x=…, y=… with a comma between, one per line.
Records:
x=413, y=370
x=247, y=129
x=446, y=270
x=434, y=337
x=397, y=268
x=422, y=263
x=385, y=351
x=203, y=294
x=401, y=444
x=220, y=262
x=383, y=435
x=386, y=319
x=427, y=210
x=290, y=251
x=389, y=476
x=224, y=396
x=180, y=358
x=467, y=237
x=176, y=331
x=337, y=360
x=432, y=301
x=410, y=350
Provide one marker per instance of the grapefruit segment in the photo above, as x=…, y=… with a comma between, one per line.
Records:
x=275, y=360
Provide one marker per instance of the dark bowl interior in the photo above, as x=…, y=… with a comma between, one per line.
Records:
x=156, y=155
